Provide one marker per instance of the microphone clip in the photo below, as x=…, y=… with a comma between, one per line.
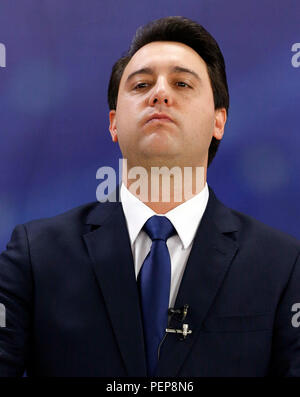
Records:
x=184, y=331
x=182, y=311
x=179, y=315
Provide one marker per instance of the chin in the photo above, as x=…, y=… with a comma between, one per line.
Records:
x=159, y=151
x=159, y=143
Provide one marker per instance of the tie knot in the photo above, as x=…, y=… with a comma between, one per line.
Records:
x=159, y=228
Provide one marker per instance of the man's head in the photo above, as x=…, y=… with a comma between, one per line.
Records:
x=174, y=67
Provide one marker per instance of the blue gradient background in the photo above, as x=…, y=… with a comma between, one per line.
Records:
x=54, y=115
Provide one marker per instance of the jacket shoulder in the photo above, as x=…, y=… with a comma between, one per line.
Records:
x=254, y=229
x=65, y=222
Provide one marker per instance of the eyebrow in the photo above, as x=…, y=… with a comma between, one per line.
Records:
x=180, y=69
x=175, y=69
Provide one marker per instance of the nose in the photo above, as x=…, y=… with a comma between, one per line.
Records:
x=160, y=94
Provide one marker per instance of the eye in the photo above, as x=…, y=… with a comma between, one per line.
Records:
x=182, y=84
x=140, y=86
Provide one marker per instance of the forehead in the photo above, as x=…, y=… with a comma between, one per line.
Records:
x=165, y=54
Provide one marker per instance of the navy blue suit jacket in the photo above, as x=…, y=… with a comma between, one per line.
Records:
x=72, y=303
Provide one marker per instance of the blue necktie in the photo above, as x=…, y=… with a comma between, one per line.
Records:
x=154, y=285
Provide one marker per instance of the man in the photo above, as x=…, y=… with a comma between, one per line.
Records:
x=87, y=292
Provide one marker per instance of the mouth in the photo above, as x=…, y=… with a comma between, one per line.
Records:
x=159, y=117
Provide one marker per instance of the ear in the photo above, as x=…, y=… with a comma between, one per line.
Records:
x=113, y=126
x=220, y=121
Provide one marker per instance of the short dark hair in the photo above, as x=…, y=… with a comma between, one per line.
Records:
x=186, y=31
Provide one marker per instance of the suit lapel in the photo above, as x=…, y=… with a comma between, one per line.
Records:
x=210, y=258
x=110, y=251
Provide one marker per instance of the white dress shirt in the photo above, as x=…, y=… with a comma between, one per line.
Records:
x=185, y=219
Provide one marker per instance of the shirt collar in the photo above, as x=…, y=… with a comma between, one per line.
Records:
x=185, y=217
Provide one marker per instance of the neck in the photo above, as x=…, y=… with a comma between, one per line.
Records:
x=162, y=189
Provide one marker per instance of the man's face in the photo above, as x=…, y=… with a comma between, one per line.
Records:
x=165, y=109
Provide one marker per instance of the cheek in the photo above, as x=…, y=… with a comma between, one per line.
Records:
x=126, y=114
x=125, y=126
x=202, y=117
x=200, y=127
x=122, y=116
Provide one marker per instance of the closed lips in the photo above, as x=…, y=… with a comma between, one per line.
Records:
x=159, y=117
